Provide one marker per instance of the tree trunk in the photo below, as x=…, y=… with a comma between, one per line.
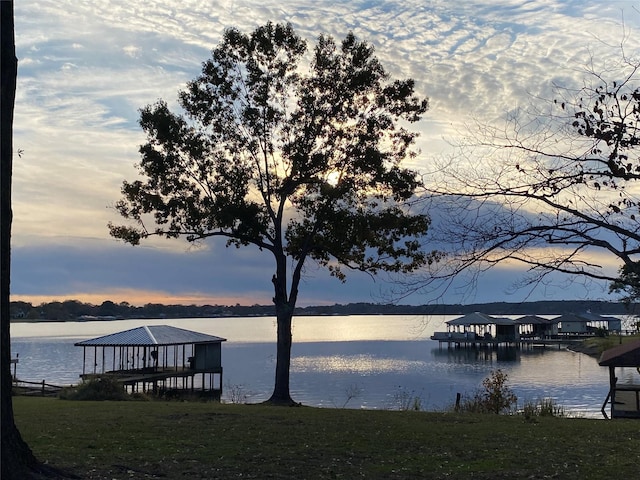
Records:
x=18, y=462
x=281, y=392
x=284, y=314
x=17, y=458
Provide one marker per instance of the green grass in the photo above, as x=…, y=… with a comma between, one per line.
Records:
x=118, y=440
x=600, y=344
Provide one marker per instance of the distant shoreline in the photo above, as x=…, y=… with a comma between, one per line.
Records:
x=73, y=310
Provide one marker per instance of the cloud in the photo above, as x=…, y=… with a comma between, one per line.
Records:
x=109, y=270
x=85, y=68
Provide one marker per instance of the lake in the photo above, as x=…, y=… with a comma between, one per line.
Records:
x=372, y=362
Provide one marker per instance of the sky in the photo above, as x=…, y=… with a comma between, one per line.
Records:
x=86, y=67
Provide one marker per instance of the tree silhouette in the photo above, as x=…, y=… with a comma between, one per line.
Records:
x=555, y=191
x=18, y=461
x=297, y=156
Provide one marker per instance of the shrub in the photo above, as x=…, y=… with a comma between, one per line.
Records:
x=601, y=332
x=472, y=403
x=498, y=397
x=99, y=388
x=237, y=394
x=350, y=392
x=495, y=396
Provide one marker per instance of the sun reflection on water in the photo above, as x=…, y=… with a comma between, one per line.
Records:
x=360, y=364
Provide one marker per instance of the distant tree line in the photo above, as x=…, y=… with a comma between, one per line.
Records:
x=71, y=310
x=74, y=310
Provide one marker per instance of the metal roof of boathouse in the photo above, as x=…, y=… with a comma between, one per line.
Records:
x=151, y=335
x=477, y=318
x=536, y=320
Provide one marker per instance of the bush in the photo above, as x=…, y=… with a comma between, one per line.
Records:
x=495, y=396
x=237, y=394
x=472, y=404
x=99, y=388
x=351, y=391
x=601, y=332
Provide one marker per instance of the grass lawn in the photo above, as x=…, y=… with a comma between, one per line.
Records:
x=599, y=345
x=191, y=440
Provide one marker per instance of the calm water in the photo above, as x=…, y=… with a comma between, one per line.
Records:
x=379, y=358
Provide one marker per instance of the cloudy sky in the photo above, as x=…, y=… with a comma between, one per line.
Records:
x=87, y=66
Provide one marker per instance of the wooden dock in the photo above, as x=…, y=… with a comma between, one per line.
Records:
x=481, y=330
x=497, y=342
x=166, y=381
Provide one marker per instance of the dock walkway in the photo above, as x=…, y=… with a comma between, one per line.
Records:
x=469, y=340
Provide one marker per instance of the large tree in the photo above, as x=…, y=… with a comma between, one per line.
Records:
x=297, y=155
x=17, y=459
x=555, y=189
x=18, y=462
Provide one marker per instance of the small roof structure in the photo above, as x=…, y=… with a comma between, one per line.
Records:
x=625, y=355
x=594, y=317
x=572, y=317
x=477, y=318
x=153, y=335
x=536, y=320
x=584, y=318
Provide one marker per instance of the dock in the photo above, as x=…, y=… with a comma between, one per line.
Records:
x=481, y=330
x=162, y=359
x=467, y=342
x=162, y=379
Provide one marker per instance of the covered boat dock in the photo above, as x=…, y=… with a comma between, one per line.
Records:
x=479, y=329
x=587, y=323
x=165, y=360
x=536, y=327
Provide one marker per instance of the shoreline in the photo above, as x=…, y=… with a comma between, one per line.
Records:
x=590, y=350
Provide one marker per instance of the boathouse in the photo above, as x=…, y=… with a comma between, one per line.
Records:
x=624, y=392
x=535, y=327
x=572, y=323
x=587, y=322
x=479, y=328
x=159, y=358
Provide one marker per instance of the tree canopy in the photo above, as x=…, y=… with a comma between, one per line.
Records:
x=296, y=154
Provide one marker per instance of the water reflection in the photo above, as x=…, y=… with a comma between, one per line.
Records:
x=628, y=375
x=473, y=355
x=360, y=364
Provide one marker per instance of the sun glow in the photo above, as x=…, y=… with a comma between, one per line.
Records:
x=143, y=297
x=333, y=177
